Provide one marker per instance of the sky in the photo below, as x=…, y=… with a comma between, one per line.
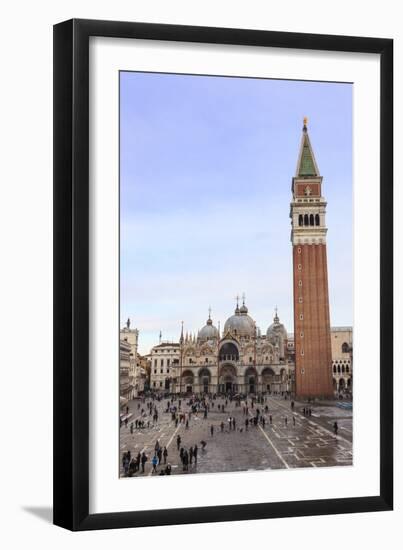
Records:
x=206, y=165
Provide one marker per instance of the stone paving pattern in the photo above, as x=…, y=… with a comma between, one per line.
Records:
x=308, y=443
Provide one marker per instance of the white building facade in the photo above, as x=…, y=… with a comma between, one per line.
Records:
x=342, y=359
x=136, y=373
x=164, y=359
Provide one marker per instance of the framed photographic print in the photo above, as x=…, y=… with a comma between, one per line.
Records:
x=223, y=266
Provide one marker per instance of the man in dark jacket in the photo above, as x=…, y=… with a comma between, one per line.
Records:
x=185, y=461
x=143, y=461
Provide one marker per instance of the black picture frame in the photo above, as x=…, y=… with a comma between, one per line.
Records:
x=71, y=273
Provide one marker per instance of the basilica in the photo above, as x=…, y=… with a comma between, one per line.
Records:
x=240, y=360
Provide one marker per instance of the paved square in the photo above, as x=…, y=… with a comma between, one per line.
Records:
x=292, y=440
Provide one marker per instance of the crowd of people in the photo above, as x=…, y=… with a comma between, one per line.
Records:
x=186, y=411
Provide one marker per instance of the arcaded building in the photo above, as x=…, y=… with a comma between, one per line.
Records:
x=240, y=360
x=342, y=359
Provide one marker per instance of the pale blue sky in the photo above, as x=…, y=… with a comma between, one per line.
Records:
x=206, y=169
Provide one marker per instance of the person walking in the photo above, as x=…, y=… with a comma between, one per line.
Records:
x=132, y=467
x=211, y=430
x=195, y=451
x=154, y=462
x=157, y=446
x=159, y=455
x=222, y=426
x=165, y=454
x=271, y=419
x=144, y=459
x=126, y=462
x=191, y=455
x=185, y=461
x=246, y=424
x=178, y=441
x=335, y=428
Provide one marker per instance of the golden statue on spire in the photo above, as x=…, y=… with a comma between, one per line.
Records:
x=305, y=120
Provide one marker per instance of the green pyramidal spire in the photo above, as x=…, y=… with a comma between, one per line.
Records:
x=306, y=162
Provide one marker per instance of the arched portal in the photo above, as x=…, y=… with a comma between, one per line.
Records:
x=268, y=379
x=228, y=380
x=251, y=380
x=204, y=380
x=187, y=381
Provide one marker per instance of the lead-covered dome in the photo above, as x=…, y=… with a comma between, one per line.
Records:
x=276, y=328
x=240, y=324
x=209, y=331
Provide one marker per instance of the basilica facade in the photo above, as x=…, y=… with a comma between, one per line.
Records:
x=241, y=360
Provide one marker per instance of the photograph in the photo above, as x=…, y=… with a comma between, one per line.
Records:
x=236, y=274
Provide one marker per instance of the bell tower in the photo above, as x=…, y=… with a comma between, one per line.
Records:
x=313, y=357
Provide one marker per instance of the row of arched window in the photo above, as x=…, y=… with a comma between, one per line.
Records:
x=341, y=368
x=308, y=219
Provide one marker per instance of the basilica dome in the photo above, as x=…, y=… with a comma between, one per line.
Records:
x=276, y=328
x=240, y=324
x=209, y=331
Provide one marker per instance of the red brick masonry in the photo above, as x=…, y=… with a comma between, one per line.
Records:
x=313, y=357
